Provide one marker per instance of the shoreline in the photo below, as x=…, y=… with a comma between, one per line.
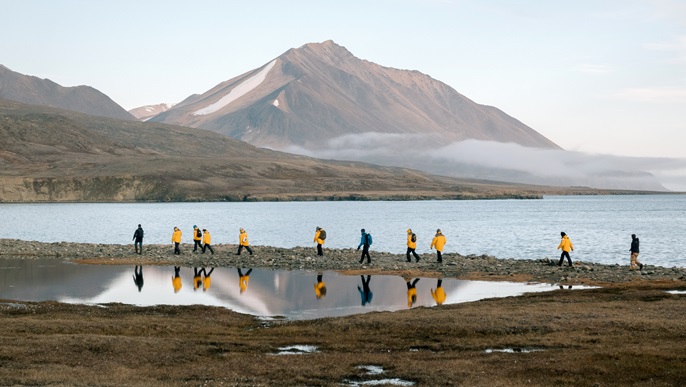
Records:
x=472, y=267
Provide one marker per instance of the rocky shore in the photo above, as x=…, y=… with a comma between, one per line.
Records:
x=482, y=267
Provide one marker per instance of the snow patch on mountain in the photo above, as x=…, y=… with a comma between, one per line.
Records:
x=244, y=88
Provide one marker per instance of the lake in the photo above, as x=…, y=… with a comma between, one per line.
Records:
x=599, y=226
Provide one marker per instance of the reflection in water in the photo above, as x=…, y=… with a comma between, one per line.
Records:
x=272, y=293
x=320, y=286
x=365, y=293
x=243, y=280
x=138, y=277
x=439, y=294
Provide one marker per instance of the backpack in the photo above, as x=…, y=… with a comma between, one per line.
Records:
x=198, y=233
x=414, y=237
x=322, y=234
x=369, y=239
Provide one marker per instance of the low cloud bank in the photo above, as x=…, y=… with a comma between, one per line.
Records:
x=505, y=161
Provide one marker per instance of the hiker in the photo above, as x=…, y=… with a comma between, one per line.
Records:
x=243, y=242
x=320, y=237
x=634, y=253
x=566, y=246
x=197, y=278
x=138, y=240
x=439, y=294
x=365, y=293
x=320, y=287
x=176, y=240
x=138, y=277
x=411, y=291
x=207, y=281
x=176, y=279
x=197, y=239
x=365, y=242
x=243, y=280
x=411, y=245
x=206, y=239
x=439, y=242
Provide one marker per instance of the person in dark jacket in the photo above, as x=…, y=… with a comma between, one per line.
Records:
x=365, y=292
x=138, y=277
x=634, y=253
x=138, y=240
x=365, y=242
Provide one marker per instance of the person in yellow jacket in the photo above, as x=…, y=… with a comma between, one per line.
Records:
x=176, y=279
x=197, y=278
x=411, y=245
x=176, y=240
x=319, y=238
x=206, y=240
x=243, y=242
x=439, y=294
x=439, y=243
x=243, y=280
x=197, y=238
x=411, y=291
x=207, y=280
x=566, y=246
x=320, y=286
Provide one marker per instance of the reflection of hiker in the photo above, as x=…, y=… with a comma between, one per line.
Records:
x=176, y=279
x=207, y=281
x=365, y=242
x=243, y=242
x=634, y=253
x=411, y=291
x=439, y=242
x=365, y=293
x=320, y=237
x=197, y=278
x=320, y=287
x=243, y=280
x=176, y=240
x=138, y=277
x=138, y=240
x=439, y=294
x=566, y=246
x=206, y=239
x=197, y=238
x=411, y=245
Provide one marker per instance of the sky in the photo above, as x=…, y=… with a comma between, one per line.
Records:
x=604, y=77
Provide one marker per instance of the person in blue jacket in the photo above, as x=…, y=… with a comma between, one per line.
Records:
x=365, y=242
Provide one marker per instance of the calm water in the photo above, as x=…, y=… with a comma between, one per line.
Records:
x=599, y=226
x=267, y=294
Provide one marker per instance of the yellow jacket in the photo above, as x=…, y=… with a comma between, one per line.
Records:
x=438, y=295
x=206, y=283
x=320, y=289
x=176, y=236
x=566, y=244
x=195, y=234
x=243, y=238
x=410, y=244
x=206, y=238
x=176, y=283
x=316, y=237
x=243, y=283
x=439, y=242
x=197, y=280
x=411, y=296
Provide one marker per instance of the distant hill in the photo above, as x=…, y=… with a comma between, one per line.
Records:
x=36, y=91
x=49, y=154
x=144, y=113
x=320, y=91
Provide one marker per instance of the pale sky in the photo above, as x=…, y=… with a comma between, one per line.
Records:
x=594, y=76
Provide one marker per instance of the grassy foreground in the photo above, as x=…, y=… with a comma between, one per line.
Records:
x=625, y=334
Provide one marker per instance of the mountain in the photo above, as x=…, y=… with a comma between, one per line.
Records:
x=144, y=113
x=322, y=101
x=320, y=91
x=36, y=91
x=49, y=154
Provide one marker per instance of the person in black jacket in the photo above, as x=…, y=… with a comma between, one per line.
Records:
x=138, y=239
x=634, y=253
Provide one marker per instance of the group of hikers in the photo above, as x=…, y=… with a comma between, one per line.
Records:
x=202, y=241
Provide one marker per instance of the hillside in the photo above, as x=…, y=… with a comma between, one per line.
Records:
x=49, y=154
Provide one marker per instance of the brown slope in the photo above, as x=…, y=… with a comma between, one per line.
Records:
x=36, y=91
x=323, y=92
x=55, y=155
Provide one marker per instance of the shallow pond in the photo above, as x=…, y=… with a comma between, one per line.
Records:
x=263, y=293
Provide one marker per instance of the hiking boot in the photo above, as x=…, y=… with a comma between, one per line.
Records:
x=640, y=266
